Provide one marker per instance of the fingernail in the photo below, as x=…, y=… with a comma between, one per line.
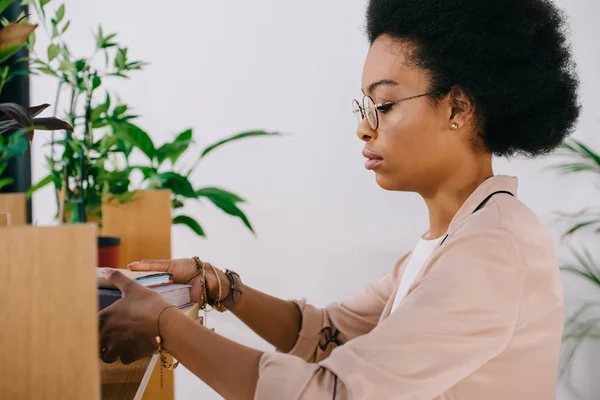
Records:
x=105, y=270
x=133, y=263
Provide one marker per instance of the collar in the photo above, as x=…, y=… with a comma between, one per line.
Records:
x=493, y=184
x=486, y=188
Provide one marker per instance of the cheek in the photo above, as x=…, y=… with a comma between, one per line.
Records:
x=412, y=139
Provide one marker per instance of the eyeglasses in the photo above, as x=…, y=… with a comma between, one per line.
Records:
x=370, y=110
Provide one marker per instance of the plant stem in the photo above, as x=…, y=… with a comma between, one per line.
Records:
x=87, y=138
x=52, y=134
x=193, y=167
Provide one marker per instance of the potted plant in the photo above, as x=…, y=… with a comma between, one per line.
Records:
x=93, y=162
x=17, y=123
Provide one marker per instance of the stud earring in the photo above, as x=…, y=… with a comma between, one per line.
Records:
x=454, y=126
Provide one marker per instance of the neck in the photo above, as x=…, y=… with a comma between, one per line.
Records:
x=444, y=202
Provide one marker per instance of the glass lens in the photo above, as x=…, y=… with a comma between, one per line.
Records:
x=357, y=111
x=370, y=112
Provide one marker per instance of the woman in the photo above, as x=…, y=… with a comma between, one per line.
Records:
x=476, y=310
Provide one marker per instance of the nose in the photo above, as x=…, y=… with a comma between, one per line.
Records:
x=364, y=131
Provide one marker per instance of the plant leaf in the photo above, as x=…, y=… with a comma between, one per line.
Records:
x=96, y=82
x=17, y=146
x=47, y=71
x=184, y=139
x=190, y=222
x=174, y=149
x=99, y=37
x=178, y=184
x=60, y=13
x=235, y=138
x=5, y=182
x=98, y=111
x=17, y=113
x=579, y=226
x=231, y=209
x=42, y=183
x=64, y=29
x=7, y=51
x=51, y=124
x=33, y=111
x=53, y=52
x=13, y=37
x=119, y=110
x=214, y=192
x=4, y=5
x=138, y=138
x=66, y=66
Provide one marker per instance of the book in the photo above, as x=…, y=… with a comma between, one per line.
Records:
x=144, y=278
x=178, y=295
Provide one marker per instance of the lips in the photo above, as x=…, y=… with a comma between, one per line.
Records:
x=373, y=160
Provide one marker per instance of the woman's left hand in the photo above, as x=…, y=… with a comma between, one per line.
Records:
x=128, y=328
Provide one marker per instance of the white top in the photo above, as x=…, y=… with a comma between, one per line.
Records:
x=419, y=255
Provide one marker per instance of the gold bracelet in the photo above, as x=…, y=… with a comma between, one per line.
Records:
x=164, y=363
x=218, y=305
x=200, y=270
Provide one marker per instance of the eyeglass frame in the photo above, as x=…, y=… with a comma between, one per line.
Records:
x=376, y=107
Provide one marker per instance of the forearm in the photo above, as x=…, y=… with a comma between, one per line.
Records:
x=229, y=368
x=275, y=320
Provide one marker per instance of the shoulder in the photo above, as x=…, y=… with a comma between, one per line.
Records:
x=507, y=217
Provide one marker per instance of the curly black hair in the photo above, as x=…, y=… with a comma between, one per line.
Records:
x=511, y=57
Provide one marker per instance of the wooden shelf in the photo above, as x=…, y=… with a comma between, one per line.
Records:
x=49, y=313
x=49, y=303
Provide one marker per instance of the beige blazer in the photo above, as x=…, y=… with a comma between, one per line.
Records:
x=483, y=321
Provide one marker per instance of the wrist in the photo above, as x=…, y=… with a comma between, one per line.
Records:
x=154, y=311
x=218, y=285
x=163, y=322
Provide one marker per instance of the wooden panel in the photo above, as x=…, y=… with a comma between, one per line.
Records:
x=122, y=382
x=153, y=391
x=49, y=335
x=141, y=379
x=16, y=205
x=144, y=226
x=4, y=219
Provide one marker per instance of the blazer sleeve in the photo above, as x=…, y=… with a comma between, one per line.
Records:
x=461, y=313
x=323, y=329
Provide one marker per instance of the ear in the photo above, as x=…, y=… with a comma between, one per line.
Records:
x=462, y=108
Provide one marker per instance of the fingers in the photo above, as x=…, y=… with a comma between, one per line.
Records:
x=115, y=277
x=150, y=265
x=109, y=355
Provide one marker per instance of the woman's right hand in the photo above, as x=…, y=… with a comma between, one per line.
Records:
x=184, y=269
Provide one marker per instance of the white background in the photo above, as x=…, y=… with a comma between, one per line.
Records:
x=323, y=226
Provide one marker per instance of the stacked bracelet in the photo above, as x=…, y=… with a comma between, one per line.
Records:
x=235, y=287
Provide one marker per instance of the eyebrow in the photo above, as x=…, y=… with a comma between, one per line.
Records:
x=383, y=82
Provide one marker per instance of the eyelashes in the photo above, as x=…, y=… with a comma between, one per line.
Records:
x=384, y=108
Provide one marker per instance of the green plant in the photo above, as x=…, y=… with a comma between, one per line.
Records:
x=156, y=177
x=95, y=160
x=17, y=123
x=584, y=323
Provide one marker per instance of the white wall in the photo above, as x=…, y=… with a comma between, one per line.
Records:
x=324, y=227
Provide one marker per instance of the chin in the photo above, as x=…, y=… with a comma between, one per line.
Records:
x=396, y=183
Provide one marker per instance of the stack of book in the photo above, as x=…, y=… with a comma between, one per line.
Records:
x=160, y=282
